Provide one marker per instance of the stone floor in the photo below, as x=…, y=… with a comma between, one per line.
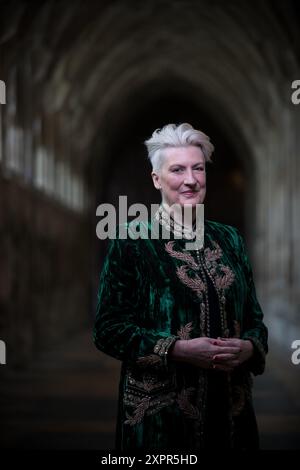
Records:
x=67, y=400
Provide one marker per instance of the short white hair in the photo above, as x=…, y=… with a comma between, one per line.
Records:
x=171, y=135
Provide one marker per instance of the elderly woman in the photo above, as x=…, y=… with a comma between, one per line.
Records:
x=186, y=324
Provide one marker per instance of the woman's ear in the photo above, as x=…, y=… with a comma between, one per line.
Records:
x=156, y=180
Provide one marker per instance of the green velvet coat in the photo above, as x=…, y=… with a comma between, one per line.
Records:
x=153, y=292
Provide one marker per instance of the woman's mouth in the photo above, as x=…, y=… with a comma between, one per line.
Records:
x=189, y=193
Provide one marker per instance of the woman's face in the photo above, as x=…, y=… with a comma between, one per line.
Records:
x=182, y=177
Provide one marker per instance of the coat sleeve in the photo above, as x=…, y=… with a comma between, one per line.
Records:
x=254, y=328
x=117, y=329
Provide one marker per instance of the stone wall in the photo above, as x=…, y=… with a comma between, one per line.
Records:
x=44, y=273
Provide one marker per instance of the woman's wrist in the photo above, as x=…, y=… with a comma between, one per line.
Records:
x=249, y=348
x=178, y=351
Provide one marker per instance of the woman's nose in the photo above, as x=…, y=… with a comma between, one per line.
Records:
x=189, y=178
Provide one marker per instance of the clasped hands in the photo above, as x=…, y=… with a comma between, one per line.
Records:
x=223, y=354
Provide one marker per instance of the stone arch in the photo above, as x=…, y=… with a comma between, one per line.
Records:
x=70, y=74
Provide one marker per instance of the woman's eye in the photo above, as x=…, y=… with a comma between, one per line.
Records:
x=179, y=170
x=176, y=170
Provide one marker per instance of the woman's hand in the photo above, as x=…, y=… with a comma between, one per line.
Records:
x=202, y=351
x=227, y=362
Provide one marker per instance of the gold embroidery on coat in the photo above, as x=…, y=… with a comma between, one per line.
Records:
x=213, y=255
x=148, y=382
x=185, y=331
x=148, y=394
x=222, y=281
x=146, y=405
x=150, y=360
x=195, y=283
x=184, y=403
x=139, y=412
x=161, y=350
x=222, y=277
x=187, y=257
